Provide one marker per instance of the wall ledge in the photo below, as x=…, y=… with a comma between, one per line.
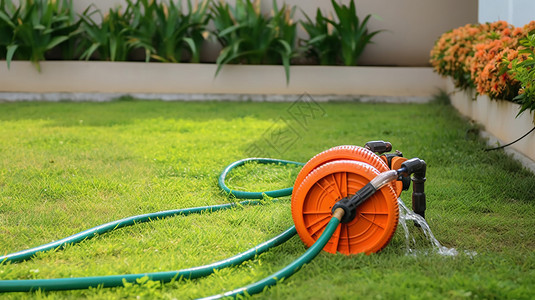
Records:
x=106, y=97
x=499, y=119
x=81, y=77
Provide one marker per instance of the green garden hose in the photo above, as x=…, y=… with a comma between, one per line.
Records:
x=117, y=280
x=290, y=269
x=191, y=273
x=255, y=195
x=92, y=232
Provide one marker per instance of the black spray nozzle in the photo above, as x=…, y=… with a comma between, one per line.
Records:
x=414, y=166
x=378, y=146
x=417, y=168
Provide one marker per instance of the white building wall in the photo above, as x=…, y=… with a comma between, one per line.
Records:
x=516, y=12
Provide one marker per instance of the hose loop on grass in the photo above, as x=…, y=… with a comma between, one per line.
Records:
x=255, y=195
x=57, y=284
x=190, y=273
x=104, y=228
x=129, y=221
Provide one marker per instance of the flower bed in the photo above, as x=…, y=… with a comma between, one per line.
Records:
x=492, y=61
x=495, y=59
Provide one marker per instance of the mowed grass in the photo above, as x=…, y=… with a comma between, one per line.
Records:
x=67, y=167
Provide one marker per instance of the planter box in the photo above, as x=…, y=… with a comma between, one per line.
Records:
x=498, y=118
x=162, y=79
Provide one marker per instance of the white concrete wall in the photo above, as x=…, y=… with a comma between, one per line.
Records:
x=516, y=12
x=188, y=78
x=499, y=118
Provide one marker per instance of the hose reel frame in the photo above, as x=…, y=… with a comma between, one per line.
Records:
x=333, y=175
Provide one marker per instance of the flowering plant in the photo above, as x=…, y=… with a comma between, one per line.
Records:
x=523, y=69
x=481, y=56
x=451, y=51
x=488, y=70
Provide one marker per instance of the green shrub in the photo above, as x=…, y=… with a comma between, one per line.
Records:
x=523, y=70
x=323, y=45
x=109, y=38
x=198, y=17
x=342, y=40
x=165, y=31
x=7, y=24
x=249, y=37
x=36, y=26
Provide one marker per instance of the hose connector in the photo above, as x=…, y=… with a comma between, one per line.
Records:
x=349, y=204
x=417, y=167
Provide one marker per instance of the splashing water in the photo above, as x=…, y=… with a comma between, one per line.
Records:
x=406, y=214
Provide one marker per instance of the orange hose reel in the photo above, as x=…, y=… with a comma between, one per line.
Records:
x=333, y=175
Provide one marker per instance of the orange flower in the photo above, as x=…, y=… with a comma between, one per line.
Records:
x=528, y=28
x=483, y=51
x=518, y=31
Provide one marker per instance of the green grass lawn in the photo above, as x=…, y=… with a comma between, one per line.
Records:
x=67, y=167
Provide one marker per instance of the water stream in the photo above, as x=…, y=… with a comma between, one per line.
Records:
x=406, y=215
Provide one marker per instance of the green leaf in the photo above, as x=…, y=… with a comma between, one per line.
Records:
x=286, y=54
x=527, y=63
x=113, y=49
x=6, y=19
x=286, y=46
x=11, y=49
x=193, y=49
x=56, y=41
x=89, y=52
x=39, y=27
x=231, y=29
x=224, y=56
x=318, y=39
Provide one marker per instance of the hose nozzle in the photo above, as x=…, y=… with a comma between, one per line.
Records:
x=417, y=167
x=414, y=166
x=349, y=204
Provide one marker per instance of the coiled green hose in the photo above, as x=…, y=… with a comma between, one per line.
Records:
x=190, y=273
x=255, y=195
x=92, y=232
x=74, y=283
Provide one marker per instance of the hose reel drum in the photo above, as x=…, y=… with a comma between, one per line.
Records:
x=337, y=174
